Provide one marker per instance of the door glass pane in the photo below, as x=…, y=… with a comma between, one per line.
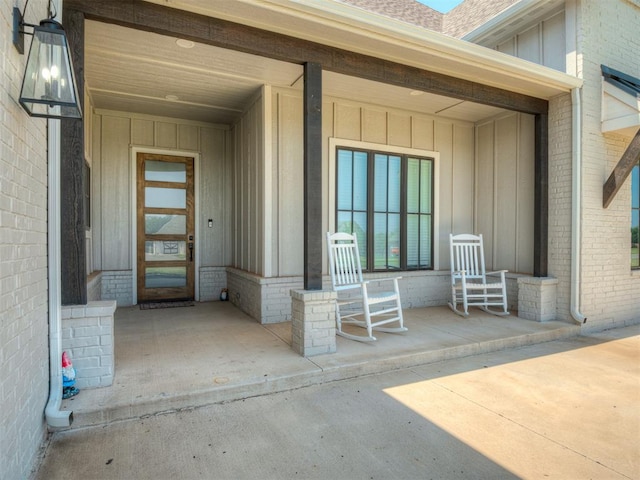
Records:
x=165, y=171
x=165, y=224
x=165, y=197
x=165, y=250
x=163, y=277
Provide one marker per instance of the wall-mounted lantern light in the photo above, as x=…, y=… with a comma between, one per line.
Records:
x=48, y=88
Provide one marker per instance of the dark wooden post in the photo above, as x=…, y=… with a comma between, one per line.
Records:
x=312, y=176
x=541, y=196
x=73, y=242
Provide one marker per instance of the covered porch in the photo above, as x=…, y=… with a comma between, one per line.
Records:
x=180, y=358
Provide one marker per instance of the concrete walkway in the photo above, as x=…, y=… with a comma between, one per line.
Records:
x=566, y=409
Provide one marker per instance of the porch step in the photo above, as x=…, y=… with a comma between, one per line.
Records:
x=93, y=407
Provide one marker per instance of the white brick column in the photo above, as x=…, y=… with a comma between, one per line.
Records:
x=313, y=322
x=537, y=298
x=87, y=335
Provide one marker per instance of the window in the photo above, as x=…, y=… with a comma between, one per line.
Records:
x=635, y=216
x=387, y=200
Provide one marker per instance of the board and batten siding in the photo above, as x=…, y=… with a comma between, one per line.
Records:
x=543, y=43
x=485, y=177
x=249, y=188
x=114, y=135
x=504, y=199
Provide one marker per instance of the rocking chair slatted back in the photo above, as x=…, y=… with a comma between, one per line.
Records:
x=344, y=261
x=467, y=255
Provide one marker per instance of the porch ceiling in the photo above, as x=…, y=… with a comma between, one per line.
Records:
x=141, y=72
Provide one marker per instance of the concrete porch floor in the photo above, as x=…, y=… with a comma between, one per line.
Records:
x=180, y=358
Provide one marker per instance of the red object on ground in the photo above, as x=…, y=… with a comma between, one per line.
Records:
x=65, y=360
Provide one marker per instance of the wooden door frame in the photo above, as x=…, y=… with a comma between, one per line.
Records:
x=133, y=155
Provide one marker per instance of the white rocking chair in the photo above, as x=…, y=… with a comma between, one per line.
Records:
x=469, y=284
x=346, y=274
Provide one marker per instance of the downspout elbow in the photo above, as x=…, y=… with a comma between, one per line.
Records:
x=576, y=205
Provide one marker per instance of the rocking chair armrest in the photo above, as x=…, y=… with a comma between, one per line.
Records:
x=497, y=272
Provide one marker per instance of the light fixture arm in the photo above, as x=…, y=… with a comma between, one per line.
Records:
x=19, y=24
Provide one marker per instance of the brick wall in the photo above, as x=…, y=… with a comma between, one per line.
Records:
x=268, y=300
x=610, y=293
x=24, y=352
x=118, y=285
x=559, y=260
x=87, y=336
x=212, y=281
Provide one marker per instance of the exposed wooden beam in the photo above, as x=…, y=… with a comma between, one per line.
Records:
x=312, y=176
x=622, y=170
x=72, y=178
x=541, y=197
x=221, y=33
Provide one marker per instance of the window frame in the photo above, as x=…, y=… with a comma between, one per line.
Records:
x=372, y=149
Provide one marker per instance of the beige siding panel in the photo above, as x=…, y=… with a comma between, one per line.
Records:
x=484, y=186
x=444, y=145
x=188, y=137
x=526, y=167
x=214, y=189
x=553, y=42
x=116, y=194
x=249, y=189
x=258, y=180
x=422, y=133
x=463, y=177
x=374, y=126
x=508, y=47
x=399, y=129
x=529, y=46
x=166, y=135
x=290, y=181
x=96, y=192
x=245, y=192
x=347, y=121
x=505, y=193
x=142, y=132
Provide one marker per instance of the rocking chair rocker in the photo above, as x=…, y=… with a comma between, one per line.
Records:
x=469, y=284
x=346, y=275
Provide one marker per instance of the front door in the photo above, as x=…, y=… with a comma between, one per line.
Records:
x=165, y=227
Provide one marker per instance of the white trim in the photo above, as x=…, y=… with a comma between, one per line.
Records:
x=628, y=103
x=339, y=142
x=133, y=155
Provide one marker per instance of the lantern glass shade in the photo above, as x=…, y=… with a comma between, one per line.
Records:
x=49, y=88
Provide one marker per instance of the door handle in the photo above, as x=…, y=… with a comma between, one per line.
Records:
x=191, y=251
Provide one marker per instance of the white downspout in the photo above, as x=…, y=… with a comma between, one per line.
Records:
x=55, y=417
x=576, y=204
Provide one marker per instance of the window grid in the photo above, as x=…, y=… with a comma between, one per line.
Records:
x=401, y=229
